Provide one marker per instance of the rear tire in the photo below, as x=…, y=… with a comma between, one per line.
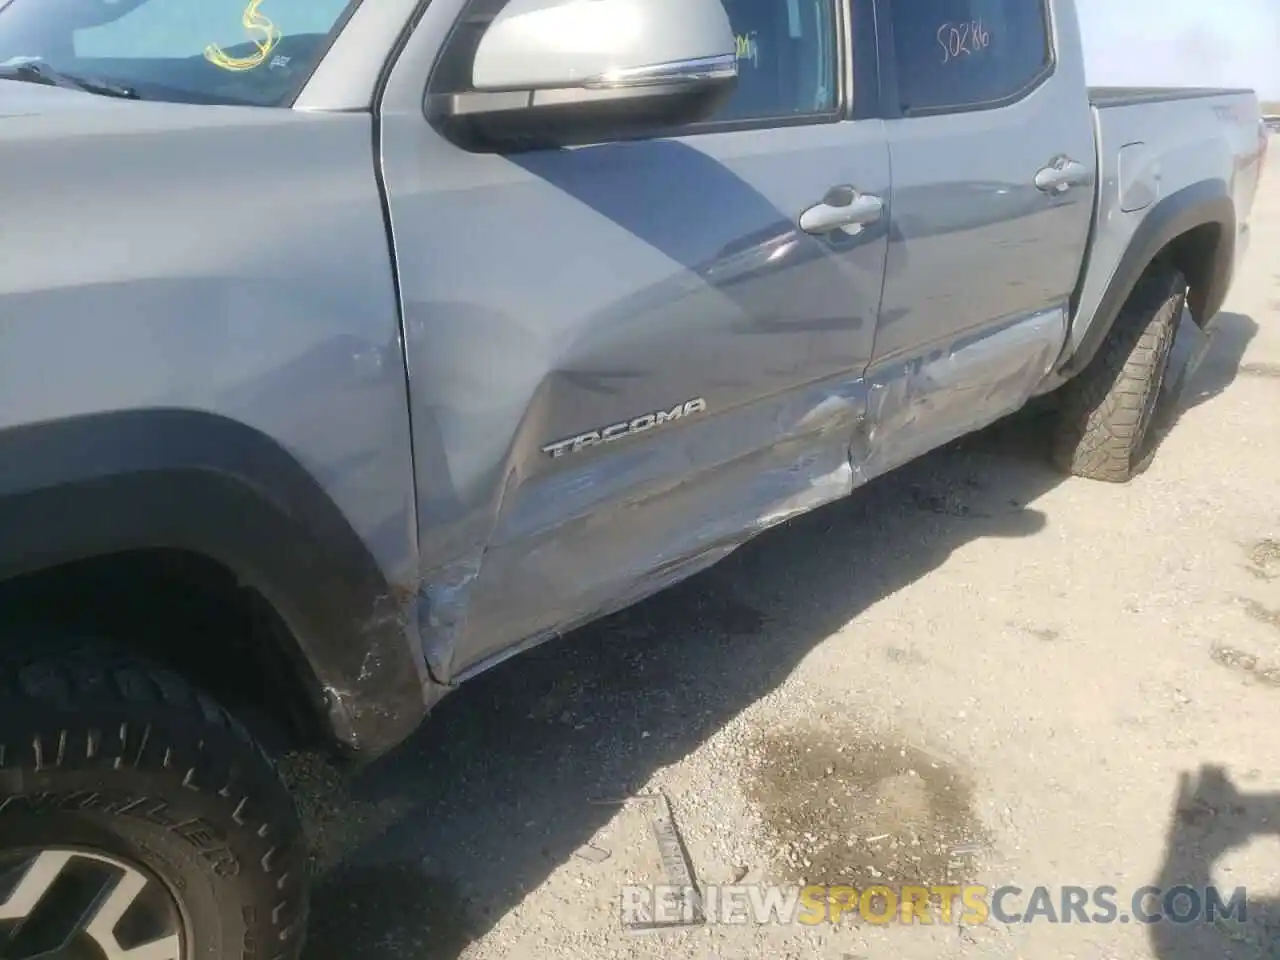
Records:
x=120, y=785
x=1105, y=414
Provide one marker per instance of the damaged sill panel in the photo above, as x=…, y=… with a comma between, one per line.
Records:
x=591, y=539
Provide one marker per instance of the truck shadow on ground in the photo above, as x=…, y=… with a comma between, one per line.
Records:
x=1201, y=367
x=1211, y=818
x=436, y=842
x=1219, y=366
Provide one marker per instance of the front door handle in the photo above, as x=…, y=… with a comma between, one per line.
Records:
x=843, y=208
x=1061, y=175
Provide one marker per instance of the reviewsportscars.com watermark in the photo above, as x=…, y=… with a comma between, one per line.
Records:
x=657, y=906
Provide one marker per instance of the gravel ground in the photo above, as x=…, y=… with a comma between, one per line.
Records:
x=1068, y=682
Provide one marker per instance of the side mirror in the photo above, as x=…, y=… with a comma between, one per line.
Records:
x=551, y=73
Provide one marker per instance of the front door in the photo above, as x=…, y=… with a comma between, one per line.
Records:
x=626, y=358
x=992, y=149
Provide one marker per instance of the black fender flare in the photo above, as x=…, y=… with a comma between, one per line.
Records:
x=95, y=485
x=1207, y=203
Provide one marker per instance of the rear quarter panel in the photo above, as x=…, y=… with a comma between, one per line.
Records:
x=1150, y=146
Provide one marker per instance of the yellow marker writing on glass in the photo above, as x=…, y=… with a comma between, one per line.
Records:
x=256, y=25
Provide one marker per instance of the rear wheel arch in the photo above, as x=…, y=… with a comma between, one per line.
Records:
x=1204, y=255
x=188, y=484
x=1192, y=230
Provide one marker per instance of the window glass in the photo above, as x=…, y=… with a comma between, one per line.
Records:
x=786, y=59
x=234, y=51
x=958, y=53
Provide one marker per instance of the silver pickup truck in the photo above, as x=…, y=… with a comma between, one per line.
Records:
x=348, y=348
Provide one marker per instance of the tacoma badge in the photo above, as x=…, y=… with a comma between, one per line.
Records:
x=630, y=428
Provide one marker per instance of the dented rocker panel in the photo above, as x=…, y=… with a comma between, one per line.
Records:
x=608, y=532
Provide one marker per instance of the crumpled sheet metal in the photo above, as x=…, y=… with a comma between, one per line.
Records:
x=920, y=404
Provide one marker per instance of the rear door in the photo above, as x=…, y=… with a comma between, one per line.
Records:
x=626, y=358
x=992, y=147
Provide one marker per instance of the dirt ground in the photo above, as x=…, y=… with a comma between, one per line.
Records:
x=972, y=671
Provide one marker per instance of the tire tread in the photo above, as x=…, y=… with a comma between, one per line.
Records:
x=1105, y=412
x=64, y=689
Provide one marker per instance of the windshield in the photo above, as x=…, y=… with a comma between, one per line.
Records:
x=255, y=52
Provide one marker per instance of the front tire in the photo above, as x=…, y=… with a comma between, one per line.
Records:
x=1105, y=414
x=138, y=820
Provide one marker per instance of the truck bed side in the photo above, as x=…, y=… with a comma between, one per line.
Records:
x=1177, y=173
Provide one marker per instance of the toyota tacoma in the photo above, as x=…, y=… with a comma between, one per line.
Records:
x=349, y=348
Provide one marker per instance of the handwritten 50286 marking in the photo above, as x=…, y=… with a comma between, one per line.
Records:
x=962, y=39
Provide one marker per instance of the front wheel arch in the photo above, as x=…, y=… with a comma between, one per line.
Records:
x=194, y=483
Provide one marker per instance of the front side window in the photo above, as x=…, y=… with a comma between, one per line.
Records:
x=786, y=59
x=955, y=54
x=254, y=52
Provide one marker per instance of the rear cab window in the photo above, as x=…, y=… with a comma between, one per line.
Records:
x=962, y=54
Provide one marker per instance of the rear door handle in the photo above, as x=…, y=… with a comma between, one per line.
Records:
x=843, y=208
x=1061, y=175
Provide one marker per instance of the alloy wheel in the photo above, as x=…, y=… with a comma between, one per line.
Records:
x=65, y=904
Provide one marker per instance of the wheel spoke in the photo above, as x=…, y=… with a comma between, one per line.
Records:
x=109, y=913
x=68, y=895
x=114, y=905
x=165, y=948
x=41, y=874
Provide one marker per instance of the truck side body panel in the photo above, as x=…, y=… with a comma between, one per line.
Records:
x=1170, y=161
x=205, y=293
x=555, y=300
x=625, y=359
x=981, y=262
x=362, y=367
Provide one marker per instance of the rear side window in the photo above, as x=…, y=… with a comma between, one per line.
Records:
x=956, y=54
x=786, y=59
